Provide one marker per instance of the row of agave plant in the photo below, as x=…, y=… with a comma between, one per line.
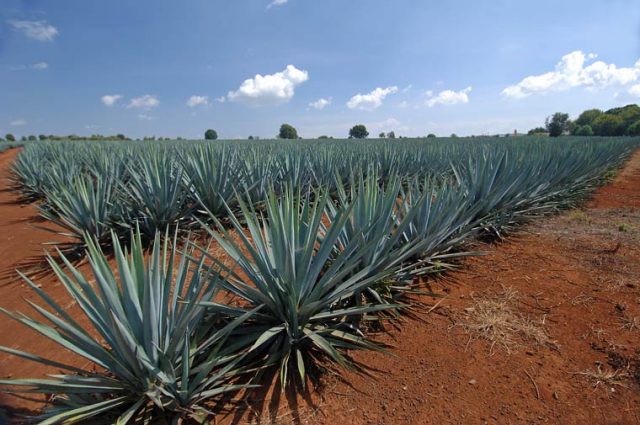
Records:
x=306, y=271
x=100, y=188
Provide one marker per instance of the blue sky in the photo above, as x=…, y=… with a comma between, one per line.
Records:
x=169, y=68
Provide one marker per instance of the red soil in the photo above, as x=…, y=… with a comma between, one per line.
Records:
x=577, y=276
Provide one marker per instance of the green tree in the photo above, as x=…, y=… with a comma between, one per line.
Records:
x=42, y=137
x=537, y=131
x=10, y=137
x=358, y=131
x=287, y=131
x=431, y=136
x=608, y=125
x=324, y=137
x=391, y=135
x=210, y=134
x=250, y=137
x=557, y=124
x=634, y=129
x=587, y=117
x=32, y=138
x=381, y=135
x=629, y=114
x=583, y=130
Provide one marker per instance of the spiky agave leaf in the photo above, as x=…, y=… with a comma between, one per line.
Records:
x=144, y=314
x=284, y=266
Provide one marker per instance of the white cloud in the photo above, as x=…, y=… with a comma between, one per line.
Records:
x=145, y=117
x=571, y=72
x=277, y=3
x=370, y=101
x=37, y=30
x=220, y=99
x=634, y=90
x=271, y=89
x=448, y=97
x=40, y=66
x=197, y=101
x=110, y=99
x=144, y=102
x=320, y=104
x=18, y=123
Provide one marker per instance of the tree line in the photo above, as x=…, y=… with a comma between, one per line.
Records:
x=623, y=121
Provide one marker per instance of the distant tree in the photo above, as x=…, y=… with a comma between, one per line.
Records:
x=324, y=137
x=453, y=136
x=210, y=134
x=358, y=131
x=431, y=136
x=587, y=117
x=32, y=138
x=250, y=137
x=537, y=131
x=382, y=135
x=23, y=139
x=42, y=137
x=583, y=130
x=391, y=135
x=10, y=137
x=557, y=124
x=608, y=125
x=634, y=129
x=630, y=113
x=287, y=131
x=120, y=136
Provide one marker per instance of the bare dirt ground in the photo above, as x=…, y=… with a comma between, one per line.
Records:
x=543, y=329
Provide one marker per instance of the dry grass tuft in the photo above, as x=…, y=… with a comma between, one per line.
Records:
x=497, y=320
x=609, y=378
x=578, y=216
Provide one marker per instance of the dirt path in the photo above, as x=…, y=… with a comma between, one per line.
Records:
x=544, y=329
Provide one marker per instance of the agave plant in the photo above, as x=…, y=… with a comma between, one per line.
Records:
x=156, y=195
x=82, y=208
x=211, y=175
x=150, y=362
x=438, y=223
x=374, y=216
x=286, y=264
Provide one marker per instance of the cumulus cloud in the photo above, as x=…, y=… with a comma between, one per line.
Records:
x=271, y=89
x=110, y=99
x=571, y=72
x=634, y=90
x=370, y=101
x=37, y=30
x=320, y=104
x=144, y=102
x=220, y=99
x=197, y=101
x=18, y=123
x=448, y=97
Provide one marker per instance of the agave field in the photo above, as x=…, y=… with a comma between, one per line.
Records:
x=321, y=241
